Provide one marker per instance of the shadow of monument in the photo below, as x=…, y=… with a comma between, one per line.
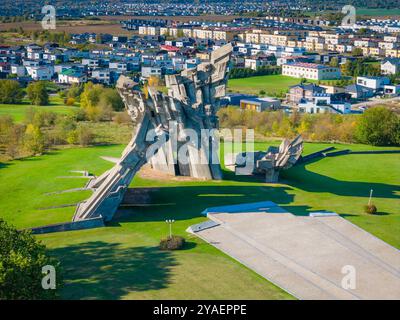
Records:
x=4, y=165
x=231, y=176
x=301, y=178
x=187, y=202
x=101, y=270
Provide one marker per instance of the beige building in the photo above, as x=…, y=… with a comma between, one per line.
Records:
x=392, y=53
x=310, y=71
x=149, y=31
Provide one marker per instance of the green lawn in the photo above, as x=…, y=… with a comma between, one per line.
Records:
x=18, y=111
x=122, y=261
x=378, y=12
x=272, y=84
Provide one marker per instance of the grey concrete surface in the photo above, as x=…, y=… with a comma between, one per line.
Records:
x=306, y=255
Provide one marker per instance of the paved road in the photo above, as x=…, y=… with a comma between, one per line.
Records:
x=306, y=255
x=375, y=102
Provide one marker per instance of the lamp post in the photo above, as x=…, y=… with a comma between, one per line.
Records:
x=170, y=222
x=370, y=197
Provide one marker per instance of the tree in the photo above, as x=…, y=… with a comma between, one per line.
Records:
x=75, y=91
x=22, y=258
x=85, y=136
x=379, y=126
x=11, y=136
x=10, y=92
x=112, y=98
x=90, y=98
x=334, y=62
x=34, y=140
x=357, y=52
x=37, y=93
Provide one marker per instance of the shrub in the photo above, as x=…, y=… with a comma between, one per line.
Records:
x=85, y=136
x=370, y=209
x=173, y=243
x=69, y=101
x=122, y=118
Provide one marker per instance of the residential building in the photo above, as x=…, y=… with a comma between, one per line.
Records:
x=260, y=104
x=101, y=76
x=304, y=91
x=151, y=71
x=390, y=66
x=72, y=76
x=310, y=71
x=40, y=72
x=374, y=83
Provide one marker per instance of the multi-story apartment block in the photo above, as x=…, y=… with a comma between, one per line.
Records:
x=310, y=71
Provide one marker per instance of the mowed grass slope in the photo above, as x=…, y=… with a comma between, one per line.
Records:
x=271, y=84
x=18, y=111
x=122, y=261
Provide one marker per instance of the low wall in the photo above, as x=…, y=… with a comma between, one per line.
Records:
x=69, y=226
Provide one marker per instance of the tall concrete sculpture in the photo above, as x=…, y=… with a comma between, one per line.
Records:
x=201, y=88
x=192, y=101
x=269, y=163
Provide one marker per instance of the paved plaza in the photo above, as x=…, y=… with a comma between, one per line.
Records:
x=308, y=256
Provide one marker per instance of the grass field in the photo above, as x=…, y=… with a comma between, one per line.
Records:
x=271, y=84
x=18, y=111
x=122, y=261
x=378, y=12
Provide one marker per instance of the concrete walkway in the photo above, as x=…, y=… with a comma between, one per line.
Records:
x=306, y=255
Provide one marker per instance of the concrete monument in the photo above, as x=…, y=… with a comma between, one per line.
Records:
x=268, y=163
x=191, y=103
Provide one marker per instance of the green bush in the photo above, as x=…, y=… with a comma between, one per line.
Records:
x=379, y=126
x=370, y=209
x=173, y=243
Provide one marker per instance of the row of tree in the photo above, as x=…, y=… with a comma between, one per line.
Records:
x=12, y=93
x=377, y=126
x=40, y=131
x=237, y=73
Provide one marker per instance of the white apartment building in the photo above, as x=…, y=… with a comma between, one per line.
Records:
x=20, y=71
x=310, y=71
x=41, y=72
x=390, y=66
x=71, y=76
x=151, y=71
x=374, y=83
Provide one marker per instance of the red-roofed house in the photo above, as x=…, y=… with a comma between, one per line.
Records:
x=169, y=48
